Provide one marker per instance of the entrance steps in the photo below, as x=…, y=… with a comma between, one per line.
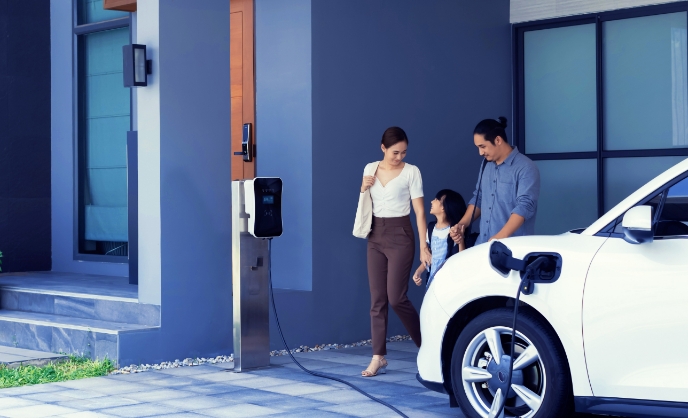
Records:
x=71, y=314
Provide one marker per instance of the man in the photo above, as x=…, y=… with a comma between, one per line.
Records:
x=509, y=188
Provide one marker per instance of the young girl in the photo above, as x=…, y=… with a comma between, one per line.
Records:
x=448, y=208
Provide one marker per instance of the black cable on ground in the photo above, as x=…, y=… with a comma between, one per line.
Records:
x=279, y=328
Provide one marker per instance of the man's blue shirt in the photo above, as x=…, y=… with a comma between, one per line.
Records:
x=510, y=187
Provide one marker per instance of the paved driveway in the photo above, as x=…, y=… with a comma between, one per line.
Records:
x=214, y=391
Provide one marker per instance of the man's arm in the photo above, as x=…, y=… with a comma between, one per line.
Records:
x=515, y=221
x=527, y=193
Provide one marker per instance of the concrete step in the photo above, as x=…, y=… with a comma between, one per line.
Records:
x=74, y=303
x=14, y=357
x=63, y=334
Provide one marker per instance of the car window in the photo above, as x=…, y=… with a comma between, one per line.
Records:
x=672, y=204
x=673, y=216
x=673, y=219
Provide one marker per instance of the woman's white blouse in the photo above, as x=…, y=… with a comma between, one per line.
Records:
x=394, y=199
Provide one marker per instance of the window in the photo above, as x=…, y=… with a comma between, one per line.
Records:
x=602, y=106
x=103, y=119
x=669, y=209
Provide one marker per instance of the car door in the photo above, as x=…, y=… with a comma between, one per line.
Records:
x=635, y=308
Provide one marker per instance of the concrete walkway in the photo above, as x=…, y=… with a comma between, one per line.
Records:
x=214, y=391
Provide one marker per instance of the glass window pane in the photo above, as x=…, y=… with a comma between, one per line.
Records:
x=645, y=78
x=104, y=122
x=560, y=89
x=623, y=176
x=674, y=217
x=90, y=11
x=568, y=195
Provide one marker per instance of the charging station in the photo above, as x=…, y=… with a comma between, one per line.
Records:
x=256, y=215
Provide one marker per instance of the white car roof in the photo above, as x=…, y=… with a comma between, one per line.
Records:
x=637, y=196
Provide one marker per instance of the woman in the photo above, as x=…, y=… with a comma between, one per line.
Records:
x=391, y=245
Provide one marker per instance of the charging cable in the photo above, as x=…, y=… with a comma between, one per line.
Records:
x=526, y=284
x=279, y=328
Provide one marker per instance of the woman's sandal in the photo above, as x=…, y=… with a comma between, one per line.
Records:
x=381, y=368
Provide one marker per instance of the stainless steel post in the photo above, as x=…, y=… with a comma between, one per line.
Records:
x=249, y=289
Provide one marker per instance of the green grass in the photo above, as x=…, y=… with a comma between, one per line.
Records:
x=74, y=368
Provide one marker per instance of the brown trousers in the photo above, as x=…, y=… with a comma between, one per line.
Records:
x=391, y=249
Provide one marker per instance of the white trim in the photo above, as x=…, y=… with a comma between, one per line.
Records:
x=148, y=124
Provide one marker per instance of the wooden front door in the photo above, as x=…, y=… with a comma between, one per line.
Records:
x=242, y=81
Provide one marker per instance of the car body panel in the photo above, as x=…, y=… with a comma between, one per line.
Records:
x=465, y=277
x=433, y=322
x=635, y=320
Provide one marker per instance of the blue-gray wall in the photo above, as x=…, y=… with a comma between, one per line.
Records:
x=433, y=68
x=195, y=187
x=284, y=135
x=25, y=135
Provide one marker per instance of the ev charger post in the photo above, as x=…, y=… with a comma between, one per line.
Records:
x=250, y=257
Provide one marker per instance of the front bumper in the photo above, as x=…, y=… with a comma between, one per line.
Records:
x=434, y=386
x=433, y=323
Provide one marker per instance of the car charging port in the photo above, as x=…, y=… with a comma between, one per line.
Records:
x=540, y=268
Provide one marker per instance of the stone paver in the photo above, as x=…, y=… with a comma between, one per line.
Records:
x=210, y=391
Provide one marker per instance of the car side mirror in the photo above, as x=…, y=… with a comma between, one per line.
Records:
x=637, y=225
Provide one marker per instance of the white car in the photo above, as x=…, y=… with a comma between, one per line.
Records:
x=607, y=334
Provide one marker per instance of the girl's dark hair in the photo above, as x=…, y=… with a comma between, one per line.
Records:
x=454, y=205
x=393, y=136
x=491, y=129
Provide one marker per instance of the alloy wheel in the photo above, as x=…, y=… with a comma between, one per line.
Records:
x=484, y=372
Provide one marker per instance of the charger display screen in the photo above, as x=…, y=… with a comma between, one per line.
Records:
x=267, y=219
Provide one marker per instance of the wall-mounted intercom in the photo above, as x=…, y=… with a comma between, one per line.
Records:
x=247, y=150
x=264, y=206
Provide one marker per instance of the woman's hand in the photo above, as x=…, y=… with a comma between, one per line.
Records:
x=416, y=276
x=368, y=182
x=425, y=256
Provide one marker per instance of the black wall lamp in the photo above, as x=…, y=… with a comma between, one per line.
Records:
x=136, y=66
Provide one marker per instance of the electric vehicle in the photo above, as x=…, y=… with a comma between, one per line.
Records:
x=606, y=333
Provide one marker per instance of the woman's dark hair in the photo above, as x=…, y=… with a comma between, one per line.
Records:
x=454, y=205
x=393, y=136
x=491, y=129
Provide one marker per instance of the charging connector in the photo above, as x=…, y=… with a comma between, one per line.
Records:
x=534, y=268
x=286, y=347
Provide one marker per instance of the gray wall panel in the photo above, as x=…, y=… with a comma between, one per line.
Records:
x=25, y=135
x=195, y=188
x=527, y=10
x=284, y=129
x=433, y=68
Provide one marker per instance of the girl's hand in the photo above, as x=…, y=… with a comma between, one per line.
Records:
x=456, y=232
x=426, y=256
x=368, y=182
x=416, y=276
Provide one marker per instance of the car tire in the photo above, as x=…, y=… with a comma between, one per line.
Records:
x=541, y=387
